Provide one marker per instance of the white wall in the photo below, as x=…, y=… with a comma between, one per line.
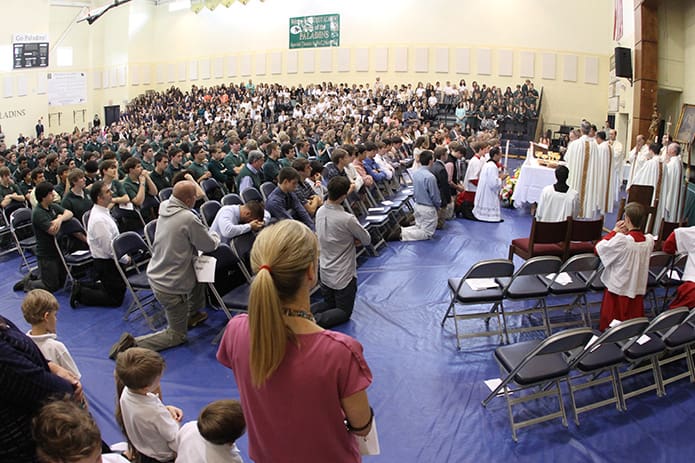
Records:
x=151, y=47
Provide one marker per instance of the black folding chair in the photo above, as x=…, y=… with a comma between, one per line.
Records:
x=603, y=353
x=209, y=211
x=131, y=248
x=230, y=300
x=525, y=284
x=231, y=199
x=478, y=287
x=679, y=344
x=266, y=189
x=150, y=231
x=568, y=282
x=165, y=193
x=648, y=347
x=71, y=259
x=23, y=234
x=536, y=363
x=251, y=194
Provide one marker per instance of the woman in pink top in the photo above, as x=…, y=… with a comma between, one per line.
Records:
x=303, y=389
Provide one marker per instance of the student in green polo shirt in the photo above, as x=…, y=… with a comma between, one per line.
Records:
x=76, y=200
x=9, y=192
x=137, y=185
x=46, y=219
x=272, y=166
x=198, y=166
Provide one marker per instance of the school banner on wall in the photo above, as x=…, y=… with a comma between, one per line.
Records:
x=315, y=31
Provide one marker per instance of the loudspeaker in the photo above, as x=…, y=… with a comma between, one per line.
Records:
x=623, y=62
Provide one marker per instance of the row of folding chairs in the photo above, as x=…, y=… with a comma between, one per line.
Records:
x=495, y=285
x=585, y=359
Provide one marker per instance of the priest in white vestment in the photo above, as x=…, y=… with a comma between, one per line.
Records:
x=671, y=186
x=582, y=160
x=487, y=198
x=618, y=163
x=651, y=174
x=603, y=181
x=637, y=157
x=558, y=201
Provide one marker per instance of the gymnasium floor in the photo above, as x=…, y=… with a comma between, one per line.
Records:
x=426, y=394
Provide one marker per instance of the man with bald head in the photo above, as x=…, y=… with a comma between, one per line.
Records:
x=180, y=235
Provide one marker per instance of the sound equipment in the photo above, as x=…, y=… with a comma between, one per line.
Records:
x=623, y=62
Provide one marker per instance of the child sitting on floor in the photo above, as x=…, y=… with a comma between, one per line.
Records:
x=150, y=426
x=40, y=309
x=212, y=438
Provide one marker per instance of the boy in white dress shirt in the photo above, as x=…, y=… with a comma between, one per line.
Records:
x=40, y=309
x=149, y=425
x=212, y=438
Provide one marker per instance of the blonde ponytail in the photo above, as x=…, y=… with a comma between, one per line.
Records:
x=280, y=257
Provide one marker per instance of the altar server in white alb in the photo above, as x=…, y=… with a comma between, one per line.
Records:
x=582, y=161
x=558, y=201
x=470, y=181
x=487, y=198
x=603, y=182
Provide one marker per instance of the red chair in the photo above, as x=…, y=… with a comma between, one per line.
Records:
x=546, y=239
x=584, y=235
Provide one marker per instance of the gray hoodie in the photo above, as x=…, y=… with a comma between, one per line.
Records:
x=180, y=235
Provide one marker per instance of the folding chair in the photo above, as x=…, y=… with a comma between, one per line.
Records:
x=376, y=224
x=536, y=363
x=602, y=353
x=266, y=189
x=478, y=287
x=150, y=231
x=679, y=344
x=237, y=298
x=584, y=234
x=546, y=239
x=241, y=246
x=212, y=189
x=525, y=284
x=568, y=281
x=85, y=218
x=165, y=193
x=134, y=274
x=74, y=259
x=209, y=210
x=231, y=199
x=251, y=194
x=673, y=277
x=7, y=241
x=23, y=234
x=648, y=347
x=659, y=266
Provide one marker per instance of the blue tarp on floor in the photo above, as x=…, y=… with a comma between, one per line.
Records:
x=426, y=394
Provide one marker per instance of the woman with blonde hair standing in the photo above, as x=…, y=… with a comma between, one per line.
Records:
x=303, y=388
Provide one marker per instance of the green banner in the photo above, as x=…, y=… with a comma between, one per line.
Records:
x=315, y=31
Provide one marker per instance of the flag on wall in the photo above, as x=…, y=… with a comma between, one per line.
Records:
x=618, y=20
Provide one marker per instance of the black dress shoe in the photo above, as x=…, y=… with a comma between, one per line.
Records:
x=19, y=286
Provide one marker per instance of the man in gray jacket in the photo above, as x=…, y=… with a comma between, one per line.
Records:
x=180, y=235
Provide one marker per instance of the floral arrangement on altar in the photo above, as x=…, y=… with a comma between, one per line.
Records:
x=508, y=187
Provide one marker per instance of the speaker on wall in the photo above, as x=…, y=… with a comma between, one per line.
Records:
x=623, y=62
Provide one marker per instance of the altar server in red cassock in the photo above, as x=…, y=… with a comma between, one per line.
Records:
x=625, y=254
x=683, y=240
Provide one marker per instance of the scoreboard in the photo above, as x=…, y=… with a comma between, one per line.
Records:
x=30, y=51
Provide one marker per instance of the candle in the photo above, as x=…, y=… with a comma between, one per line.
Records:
x=506, y=155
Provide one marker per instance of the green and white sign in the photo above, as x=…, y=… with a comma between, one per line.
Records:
x=315, y=31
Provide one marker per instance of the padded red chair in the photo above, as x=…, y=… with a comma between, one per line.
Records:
x=546, y=239
x=584, y=235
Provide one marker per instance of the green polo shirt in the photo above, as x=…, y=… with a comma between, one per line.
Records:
x=271, y=169
x=41, y=220
x=77, y=204
x=198, y=170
